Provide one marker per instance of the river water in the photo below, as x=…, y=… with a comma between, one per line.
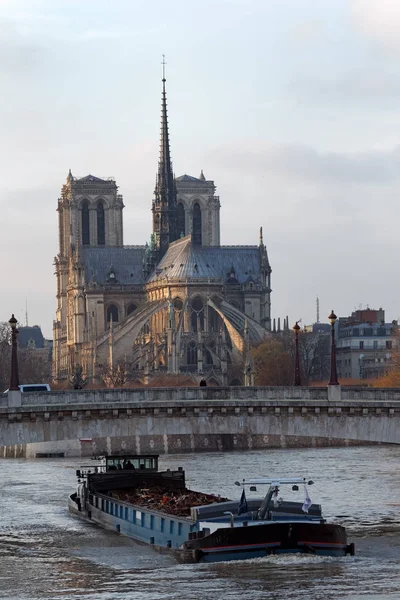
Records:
x=45, y=553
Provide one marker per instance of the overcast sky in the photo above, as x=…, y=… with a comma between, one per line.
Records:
x=292, y=107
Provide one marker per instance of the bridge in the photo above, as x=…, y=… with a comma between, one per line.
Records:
x=175, y=420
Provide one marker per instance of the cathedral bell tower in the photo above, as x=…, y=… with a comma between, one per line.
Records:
x=89, y=214
x=164, y=203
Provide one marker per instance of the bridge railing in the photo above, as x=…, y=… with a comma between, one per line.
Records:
x=181, y=394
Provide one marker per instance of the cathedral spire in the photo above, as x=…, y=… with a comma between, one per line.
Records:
x=164, y=204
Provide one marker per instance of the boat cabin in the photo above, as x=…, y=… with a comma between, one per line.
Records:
x=129, y=462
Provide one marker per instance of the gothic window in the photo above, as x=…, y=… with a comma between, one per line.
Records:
x=178, y=306
x=197, y=314
x=180, y=220
x=213, y=320
x=85, y=223
x=112, y=313
x=131, y=308
x=208, y=357
x=101, y=231
x=197, y=224
x=192, y=353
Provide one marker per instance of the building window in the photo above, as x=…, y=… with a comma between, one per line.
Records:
x=85, y=223
x=131, y=308
x=162, y=525
x=101, y=232
x=197, y=316
x=375, y=343
x=197, y=224
x=361, y=345
x=191, y=357
x=389, y=344
x=180, y=220
x=112, y=313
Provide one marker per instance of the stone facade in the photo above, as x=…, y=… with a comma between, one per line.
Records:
x=180, y=304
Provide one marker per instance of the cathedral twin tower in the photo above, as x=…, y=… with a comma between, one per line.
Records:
x=181, y=303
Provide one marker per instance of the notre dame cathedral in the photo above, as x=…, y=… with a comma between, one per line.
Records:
x=180, y=304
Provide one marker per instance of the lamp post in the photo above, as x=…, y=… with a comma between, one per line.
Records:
x=333, y=379
x=14, y=379
x=297, y=378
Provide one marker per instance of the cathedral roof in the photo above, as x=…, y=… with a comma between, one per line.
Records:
x=190, y=178
x=92, y=179
x=126, y=264
x=30, y=337
x=185, y=260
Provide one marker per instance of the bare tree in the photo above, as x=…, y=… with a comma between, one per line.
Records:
x=78, y=381
x=314, y=351
x=34, y=365
x=273, y=363
x=117, y=375
x=5, y=355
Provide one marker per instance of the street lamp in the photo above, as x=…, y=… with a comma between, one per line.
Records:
x=14, y=380
x=333, y=380
x=297, y=378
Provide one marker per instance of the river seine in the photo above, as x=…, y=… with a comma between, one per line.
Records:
x=46, y=554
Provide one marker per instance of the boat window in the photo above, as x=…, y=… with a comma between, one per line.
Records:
x=121, y=512
x=116, y=510
x=179, y=528
x=102, y=504
x=126, y=513
x=109, y=508
x=143, y=519
x=151, y=522
x=133, y=516
x=162, y=525
x=149, y=463
x=171, y=527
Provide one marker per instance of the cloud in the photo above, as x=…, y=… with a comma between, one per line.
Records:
x=379, y=20
x=105, y=34
x=361, y=88
x=301, y=163
x=17, y=54
x=307, y=33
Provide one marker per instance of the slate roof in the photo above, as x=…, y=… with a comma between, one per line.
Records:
x=30, y=337
x=185, y=260
x=127, y=264
x=188, y=178
x=91, y=179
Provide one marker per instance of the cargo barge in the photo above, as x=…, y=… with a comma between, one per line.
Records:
x=129, y=495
